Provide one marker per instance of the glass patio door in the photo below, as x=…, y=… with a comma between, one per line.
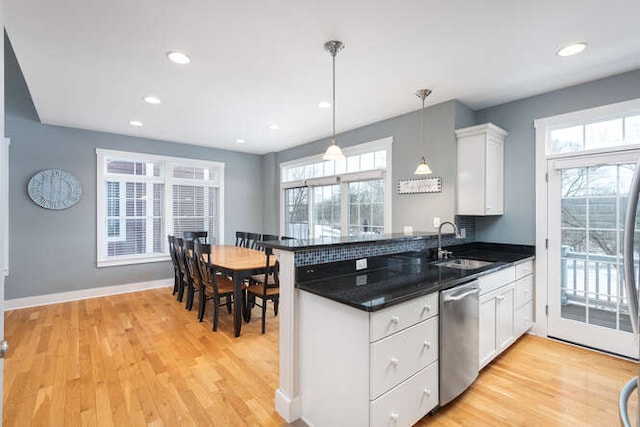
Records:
x=587, y=206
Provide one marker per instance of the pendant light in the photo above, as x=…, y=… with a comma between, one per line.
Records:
x=334, y=152
x=423, y=168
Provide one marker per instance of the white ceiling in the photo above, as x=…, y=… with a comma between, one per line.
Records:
x=88, y=63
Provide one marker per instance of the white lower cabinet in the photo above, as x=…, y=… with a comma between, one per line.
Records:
x=496, y=322
x=408, y=402
x=506, y=309
x=397, y=357
x=368, y=369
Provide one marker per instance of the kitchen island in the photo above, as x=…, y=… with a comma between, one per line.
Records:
x=397, y=271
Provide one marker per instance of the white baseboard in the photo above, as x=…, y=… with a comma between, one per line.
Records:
x=16, y=303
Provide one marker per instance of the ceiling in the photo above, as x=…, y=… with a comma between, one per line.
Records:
x=89, y=63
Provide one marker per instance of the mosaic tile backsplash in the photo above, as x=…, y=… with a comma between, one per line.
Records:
x=363, y=250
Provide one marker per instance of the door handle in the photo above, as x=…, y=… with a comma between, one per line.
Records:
x=461, y=296
x=4, y=348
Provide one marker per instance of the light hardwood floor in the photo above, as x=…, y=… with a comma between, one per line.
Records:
x=141, y=359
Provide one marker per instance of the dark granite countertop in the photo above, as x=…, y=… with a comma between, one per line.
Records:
x=303, y=244
x=392, y=279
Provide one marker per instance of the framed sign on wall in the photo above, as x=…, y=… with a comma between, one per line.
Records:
x=415, y=186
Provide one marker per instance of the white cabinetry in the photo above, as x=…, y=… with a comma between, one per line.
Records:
x=523, y=315
x=480, y=176
x=506, y=309
x=368, y=369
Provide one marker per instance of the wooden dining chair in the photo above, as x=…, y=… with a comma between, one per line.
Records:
x=200, y=235
x=214, y=286
x=253, y=239
x=266, y=238
x=265, y=287
x=182, y=265
x=178, y=284
x=241, y=239
x=247, y=240
x=193, y=284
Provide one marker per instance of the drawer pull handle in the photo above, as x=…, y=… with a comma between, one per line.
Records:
x=394, y=361
x=395, y=319
x=500, y=297
x=394, y=416
x=427, y=307
x=427, y=344
x=427, y=392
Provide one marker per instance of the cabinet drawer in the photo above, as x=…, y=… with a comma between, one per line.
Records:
x=493, y=281
x=524, y=290
x=408, y=402
x=398, y=317
x=523, y=318
x=396, y=358
x=524, y=269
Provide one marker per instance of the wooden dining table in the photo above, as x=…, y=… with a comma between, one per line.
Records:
x=238, y=263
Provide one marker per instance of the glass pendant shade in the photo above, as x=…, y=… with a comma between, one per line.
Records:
x=333, y=153
x=423, y=168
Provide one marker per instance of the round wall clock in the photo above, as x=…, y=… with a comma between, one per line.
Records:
x=54, y=189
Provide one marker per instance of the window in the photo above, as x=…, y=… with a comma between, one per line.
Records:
x=603, y=128
x=335, y=198
x=142, y=198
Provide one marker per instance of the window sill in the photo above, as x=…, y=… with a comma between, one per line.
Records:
x=131, y=261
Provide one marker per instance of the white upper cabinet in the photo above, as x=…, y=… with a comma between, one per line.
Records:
x=480, y=170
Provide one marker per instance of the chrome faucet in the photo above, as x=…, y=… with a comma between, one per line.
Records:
x=445, y=254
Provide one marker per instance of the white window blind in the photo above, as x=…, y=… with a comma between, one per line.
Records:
x=195, y=201
x=142, y=198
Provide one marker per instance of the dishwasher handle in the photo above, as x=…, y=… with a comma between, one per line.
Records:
x=458, y=297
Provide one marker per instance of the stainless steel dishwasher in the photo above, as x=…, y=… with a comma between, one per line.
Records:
x=459, y=308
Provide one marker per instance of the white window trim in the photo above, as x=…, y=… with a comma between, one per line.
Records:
x=543, y=127
x=385, y=174
x=102, y=259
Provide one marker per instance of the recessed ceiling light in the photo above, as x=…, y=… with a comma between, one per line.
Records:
x=178, y=57
x=240, y=141
x=152, y=99
x=571, y=49
x=136, y=123
x=274, y=127
x=324, y=104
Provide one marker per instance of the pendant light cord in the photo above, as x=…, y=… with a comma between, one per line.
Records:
x=422, y=127
x=333, y=140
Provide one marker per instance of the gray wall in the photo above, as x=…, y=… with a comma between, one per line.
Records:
x=55, y=251
x=517, y=225
x=270, y=192
x=416, y=210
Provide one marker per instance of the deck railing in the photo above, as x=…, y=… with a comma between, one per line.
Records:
x=598, y=275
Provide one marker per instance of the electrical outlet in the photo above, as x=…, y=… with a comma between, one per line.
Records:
x=436, y=221
x=408, y=229
x=361, y=264
x=361, y=280
x=463, y=233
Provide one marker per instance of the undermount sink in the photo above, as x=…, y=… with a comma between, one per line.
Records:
x=463, y=263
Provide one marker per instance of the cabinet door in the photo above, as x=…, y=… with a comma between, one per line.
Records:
x=487, y=329
x=523, y=318
x=471, y=175
x=504, y=316
x=494, y=187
